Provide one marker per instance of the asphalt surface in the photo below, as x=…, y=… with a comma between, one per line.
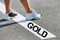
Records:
x=50, y=10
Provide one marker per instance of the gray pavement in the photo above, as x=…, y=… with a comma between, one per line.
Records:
x=50, y=10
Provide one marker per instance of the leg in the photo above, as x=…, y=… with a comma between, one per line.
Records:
x=26, y=5
x=8, y=13
x=8, y=6
x=31, y=13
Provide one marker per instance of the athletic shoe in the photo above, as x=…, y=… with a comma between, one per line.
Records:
x=7, y=16
x=33, y=16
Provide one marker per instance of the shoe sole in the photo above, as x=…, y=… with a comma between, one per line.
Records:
x=33, y=19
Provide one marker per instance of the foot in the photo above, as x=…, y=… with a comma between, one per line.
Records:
x=7, y=16
x=33, y=15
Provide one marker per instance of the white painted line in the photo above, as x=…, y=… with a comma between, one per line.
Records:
x=29, y=25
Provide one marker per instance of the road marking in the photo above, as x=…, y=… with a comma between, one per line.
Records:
x=29, y=25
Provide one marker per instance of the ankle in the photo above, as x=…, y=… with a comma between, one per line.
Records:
x=32, y=11
x=8, y=11
x=29, y=12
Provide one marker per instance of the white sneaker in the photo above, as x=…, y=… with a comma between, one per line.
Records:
x=33, y=15
x=7, y=16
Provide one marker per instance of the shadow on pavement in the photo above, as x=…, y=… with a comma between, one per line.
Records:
x=4, y=25
x=12, y=23
x=2, y=20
